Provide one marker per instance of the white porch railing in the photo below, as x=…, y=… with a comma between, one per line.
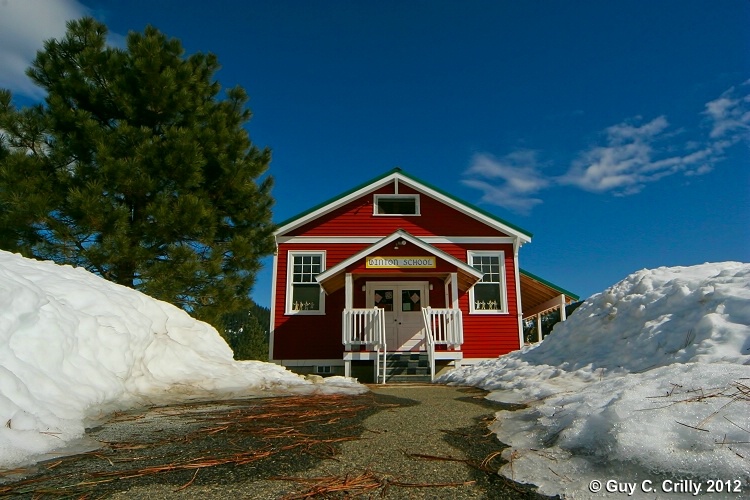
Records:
x=446, y=326
x=365, y=327
x=442, y=327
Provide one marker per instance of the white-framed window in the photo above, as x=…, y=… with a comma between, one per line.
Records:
x=489, y=296
x=396, y=204
x=303, y=293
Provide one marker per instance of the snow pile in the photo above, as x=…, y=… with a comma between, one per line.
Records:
x=74, y=347
x=648, y=380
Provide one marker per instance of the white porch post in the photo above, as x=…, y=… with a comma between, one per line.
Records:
x=348, y=291
x=516, y=247
x=563, y=315
x=454, y=290
x=539, y=327
x=272, y=326
x=348, y=301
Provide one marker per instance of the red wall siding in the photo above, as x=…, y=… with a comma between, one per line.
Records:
x=309, y=336
x=356, y=219
x=319, y=336
x=488, y=335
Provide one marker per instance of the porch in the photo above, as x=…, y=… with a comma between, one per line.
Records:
x=540, y=297
x=365, y=339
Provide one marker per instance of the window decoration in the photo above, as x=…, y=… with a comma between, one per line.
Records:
x=410, y=300
x=384, y=299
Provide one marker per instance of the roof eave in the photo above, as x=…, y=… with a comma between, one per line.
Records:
x=550, y=284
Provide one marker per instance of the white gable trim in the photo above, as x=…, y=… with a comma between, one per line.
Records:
x=432, y=240
x=339, y=202
x=400, y=234
x=398, y=178
x=468, y=211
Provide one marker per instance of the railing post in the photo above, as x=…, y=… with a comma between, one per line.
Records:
x=380, y=321
x=427, y=316
x=345, y=333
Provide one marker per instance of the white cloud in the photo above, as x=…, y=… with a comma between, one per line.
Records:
x=730, y=114
x=24, y=26
x=633, y=154
x=625, y=132
x=631, y=157
x=518, y=176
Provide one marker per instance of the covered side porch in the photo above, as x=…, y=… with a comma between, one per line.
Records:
x=540, y=297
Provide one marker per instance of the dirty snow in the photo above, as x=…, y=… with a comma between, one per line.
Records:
x=74, y=347
x=647, y=386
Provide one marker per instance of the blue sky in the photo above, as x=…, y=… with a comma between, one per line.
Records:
x=616, y=132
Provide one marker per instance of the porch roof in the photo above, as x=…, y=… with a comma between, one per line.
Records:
x=536, y=291
x=334, y=278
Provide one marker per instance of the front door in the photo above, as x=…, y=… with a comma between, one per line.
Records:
x=402, y=303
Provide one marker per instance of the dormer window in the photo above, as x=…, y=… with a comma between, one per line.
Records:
x=396, y=204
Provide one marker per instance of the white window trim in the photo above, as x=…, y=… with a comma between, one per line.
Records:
x=289, y=271
x=503, y=284
x=414, y=197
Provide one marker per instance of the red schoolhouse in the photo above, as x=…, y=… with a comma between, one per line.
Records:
x=397, y=280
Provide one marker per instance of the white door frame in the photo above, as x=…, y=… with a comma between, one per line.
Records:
x=395, y=318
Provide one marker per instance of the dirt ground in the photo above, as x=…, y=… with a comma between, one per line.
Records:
x=397, y=441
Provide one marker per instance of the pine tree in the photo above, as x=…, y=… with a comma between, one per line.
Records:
x=247, y=333
x=137, y=170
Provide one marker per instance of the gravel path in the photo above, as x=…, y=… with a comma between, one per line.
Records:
x=399, y=441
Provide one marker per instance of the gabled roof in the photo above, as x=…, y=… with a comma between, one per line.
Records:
x=467, y=274
x=398, y=175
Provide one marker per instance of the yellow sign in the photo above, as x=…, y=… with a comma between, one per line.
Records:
x=374, y=262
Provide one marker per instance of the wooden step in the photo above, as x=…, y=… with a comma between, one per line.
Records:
x=407, y=367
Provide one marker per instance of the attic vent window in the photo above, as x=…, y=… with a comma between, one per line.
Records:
x=396, y=204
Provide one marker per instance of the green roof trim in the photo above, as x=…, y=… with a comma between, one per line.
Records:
x=551, y=285
x=418, y=181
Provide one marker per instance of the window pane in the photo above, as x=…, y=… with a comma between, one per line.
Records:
x=306, y=298
x=487, y=297
x=407, y=206
x=411, y=300
x=304, y=287
x=383, y=299
x=489, y=265
x=305, y=268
